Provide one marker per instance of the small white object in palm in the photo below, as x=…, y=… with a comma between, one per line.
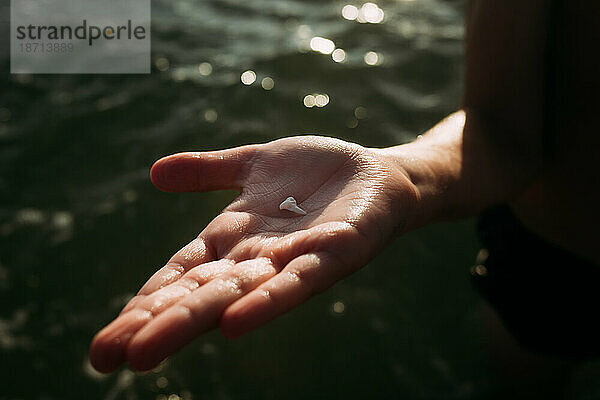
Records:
x=291, y=205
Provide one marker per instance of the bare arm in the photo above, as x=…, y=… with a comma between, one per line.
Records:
x=254, y=261
x=491, y=150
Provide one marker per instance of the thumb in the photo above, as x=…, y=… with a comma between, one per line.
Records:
x=203, y=171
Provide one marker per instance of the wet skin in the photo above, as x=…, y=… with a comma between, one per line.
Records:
x=254, y=261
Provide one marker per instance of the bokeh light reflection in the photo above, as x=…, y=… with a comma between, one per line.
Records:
x=322, y=45
x=316, y=99
x=248, y=77
x=267, y=83
x=338, y=55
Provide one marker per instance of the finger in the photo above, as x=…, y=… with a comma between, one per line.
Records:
x=107, y=350
x=195, y=253
x=163, y=298
x=302, y=278
x=202, y=171
x=221, y=234
x=109, y=346
x=228, y=229
x=194, y=314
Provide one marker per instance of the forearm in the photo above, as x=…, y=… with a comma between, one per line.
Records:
x=461, y=166
x=491, y=151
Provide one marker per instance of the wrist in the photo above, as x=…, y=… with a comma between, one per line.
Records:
x=403, y=193
x=431, y=165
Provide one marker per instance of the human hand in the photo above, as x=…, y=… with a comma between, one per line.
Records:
x=254, y=261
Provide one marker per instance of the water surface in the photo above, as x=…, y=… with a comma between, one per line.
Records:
x=81, y=227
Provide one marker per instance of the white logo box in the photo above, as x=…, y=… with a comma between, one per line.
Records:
x=80, y=36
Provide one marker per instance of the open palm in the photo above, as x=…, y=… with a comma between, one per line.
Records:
x=254, y=261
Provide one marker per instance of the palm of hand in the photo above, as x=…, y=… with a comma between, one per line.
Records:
x=254, y=261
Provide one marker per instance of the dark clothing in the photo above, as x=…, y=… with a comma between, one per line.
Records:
x=548, y=298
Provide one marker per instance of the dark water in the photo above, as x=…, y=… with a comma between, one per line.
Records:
x=81, y=227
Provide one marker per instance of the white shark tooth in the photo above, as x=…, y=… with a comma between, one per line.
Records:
x=291, y=205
